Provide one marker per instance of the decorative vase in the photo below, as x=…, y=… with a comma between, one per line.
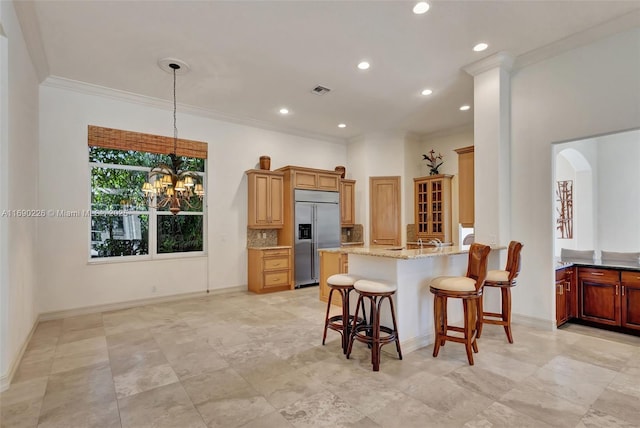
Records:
x=265, y=162
x=342, y=170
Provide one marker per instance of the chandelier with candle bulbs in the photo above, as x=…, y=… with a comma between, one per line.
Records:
x=169, y=184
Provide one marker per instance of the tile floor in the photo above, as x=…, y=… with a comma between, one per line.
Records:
x=244, y=360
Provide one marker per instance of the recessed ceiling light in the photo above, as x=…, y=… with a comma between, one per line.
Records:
x=364, y=65
x=426, y=92
x=284, y=111
x=465, y=107
x=342, y=125
x=480, y=47
x=421, y=7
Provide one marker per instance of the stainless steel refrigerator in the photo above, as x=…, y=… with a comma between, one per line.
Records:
x=317, y=225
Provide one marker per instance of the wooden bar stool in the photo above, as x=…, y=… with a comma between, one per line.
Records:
x=504, y=279
x=469, y=289
x=376, y=292
x=343, y=284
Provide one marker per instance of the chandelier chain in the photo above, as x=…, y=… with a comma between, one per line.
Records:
x=175, y=126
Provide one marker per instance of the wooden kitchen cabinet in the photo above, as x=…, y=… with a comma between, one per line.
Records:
x=331, y=264
x=312, y=179
x=265, y=205
x=599, y=295
x=566, y=301
x=269, y=269
x=466, y=191
x=347, y=202
x=432, y=207
x=630, y=282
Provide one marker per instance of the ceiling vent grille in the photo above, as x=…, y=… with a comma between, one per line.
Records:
x=320, y=90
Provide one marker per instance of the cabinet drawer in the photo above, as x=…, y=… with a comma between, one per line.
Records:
x=276, y=253
x=631, y=278
x=599, y=275
x=276, y=263
x=276, y=279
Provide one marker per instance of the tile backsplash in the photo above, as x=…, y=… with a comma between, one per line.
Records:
x=352, y=234
x=411, y=233
x=262, y=238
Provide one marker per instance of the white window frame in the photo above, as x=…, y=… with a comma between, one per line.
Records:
x=153, y=222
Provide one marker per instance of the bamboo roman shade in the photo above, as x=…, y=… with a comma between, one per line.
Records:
x=117, y=139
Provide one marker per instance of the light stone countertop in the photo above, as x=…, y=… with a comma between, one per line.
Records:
x=350, y=244
x=402, y=253
x=275, y=247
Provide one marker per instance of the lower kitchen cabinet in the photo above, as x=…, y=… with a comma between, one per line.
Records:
x=566, y=301
x=599, y=295
x=269, y=269
x=630, y=300
x=331, y=264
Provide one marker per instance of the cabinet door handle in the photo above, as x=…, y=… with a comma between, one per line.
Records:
x=597, y=273
x=568, y=286
x=623, y=290
x=559, y=289
x=617, y=289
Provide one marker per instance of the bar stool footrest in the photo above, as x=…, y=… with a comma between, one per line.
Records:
x=361, y=335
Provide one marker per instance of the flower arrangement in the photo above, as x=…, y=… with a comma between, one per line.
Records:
x=433, y=162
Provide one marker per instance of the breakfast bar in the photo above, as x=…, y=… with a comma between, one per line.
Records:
x=412, y=271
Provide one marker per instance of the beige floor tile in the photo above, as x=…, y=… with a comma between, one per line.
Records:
x=544, y=406
x=164, y=407
x=75, y=335
x=79, y=414
x=272, y=420
x=322, y=409
x=93, y=384
x=597, y=419
x=82, y=322
x=622, y=406
x=192, y=358
x=498, y=415
x=143, y=379
x=234, y=360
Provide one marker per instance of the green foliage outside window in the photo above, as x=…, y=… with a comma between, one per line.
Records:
x=119, y=221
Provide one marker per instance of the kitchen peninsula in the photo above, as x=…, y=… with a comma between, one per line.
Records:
x=411, y=270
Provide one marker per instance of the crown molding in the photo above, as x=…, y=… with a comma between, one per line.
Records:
x=462, y=129
x=502, y=60
x=616, y=25
x=26, y=14
x=116, y=94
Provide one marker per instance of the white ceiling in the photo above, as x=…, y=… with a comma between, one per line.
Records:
x=249, y=58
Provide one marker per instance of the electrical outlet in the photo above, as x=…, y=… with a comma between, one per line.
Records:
x=493, y=239
x=264, y=235
x=348, y=232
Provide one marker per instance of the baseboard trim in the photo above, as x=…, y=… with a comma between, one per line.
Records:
x=5, y=380
x=54, y=315
x=540, y=323
x=410, y=345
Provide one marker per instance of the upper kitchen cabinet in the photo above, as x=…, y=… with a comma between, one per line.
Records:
x=466, y=193
x=432, y=207
x=347, y=202
x=265, y=199
x=312, y=179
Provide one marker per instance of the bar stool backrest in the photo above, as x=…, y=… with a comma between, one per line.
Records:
x=477, y=266
x=513, y=260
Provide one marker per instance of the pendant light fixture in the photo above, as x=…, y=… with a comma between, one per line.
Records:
x=169, y=185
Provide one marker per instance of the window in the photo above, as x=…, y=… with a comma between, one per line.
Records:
x=122, y=222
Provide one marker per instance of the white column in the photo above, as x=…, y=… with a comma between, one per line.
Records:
x=492, y=109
